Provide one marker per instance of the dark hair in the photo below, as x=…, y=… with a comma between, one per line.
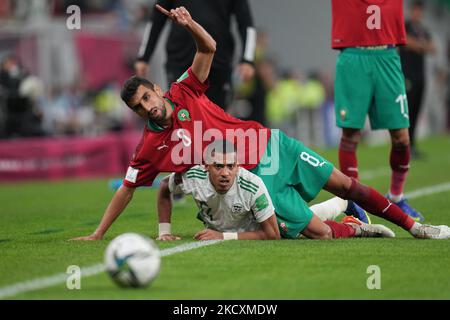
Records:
x=220, y=146
x=130, y=87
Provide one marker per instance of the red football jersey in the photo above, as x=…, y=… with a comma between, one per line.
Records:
x=367, y=23
x=197, y=122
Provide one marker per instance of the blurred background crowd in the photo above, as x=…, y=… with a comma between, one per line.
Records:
x=60, y=82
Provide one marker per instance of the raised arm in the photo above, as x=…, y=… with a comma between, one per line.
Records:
x=119, y=202
x=206, y=45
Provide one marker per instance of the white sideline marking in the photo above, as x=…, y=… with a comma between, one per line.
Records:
x=375, y=173
x=41, y=283
x=428, y=190
x=45, y=282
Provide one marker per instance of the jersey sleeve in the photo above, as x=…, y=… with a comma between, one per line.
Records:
x=141, y=171
x=189, y=83
x=261, y=205
x=139, y=174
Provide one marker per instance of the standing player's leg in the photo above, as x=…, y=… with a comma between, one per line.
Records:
x=390, y=111
x=353, y=96
x=399, y=161
x=348, y=161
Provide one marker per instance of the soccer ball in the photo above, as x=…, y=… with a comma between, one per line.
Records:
x=132, y=260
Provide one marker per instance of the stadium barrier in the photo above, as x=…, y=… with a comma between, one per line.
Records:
x=68, y=157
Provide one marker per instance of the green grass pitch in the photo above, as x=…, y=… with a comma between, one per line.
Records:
x=37, y=219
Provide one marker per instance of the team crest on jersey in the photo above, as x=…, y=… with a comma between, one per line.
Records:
x=343, y=113
x=183, y=115
x=237, y=208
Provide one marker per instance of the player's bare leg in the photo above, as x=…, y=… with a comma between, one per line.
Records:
x=399, y=161
x=317, y=229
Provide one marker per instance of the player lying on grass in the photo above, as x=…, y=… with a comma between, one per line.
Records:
x=183, y=121
x=234, y=203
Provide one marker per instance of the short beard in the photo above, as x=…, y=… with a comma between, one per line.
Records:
x=163, y=115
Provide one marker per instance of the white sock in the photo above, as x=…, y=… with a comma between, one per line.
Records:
x=396, y=198
x=330, y=209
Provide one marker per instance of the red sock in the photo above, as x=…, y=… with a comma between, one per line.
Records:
x=347, y=158
x=340, y=230
x=373, y=202
x=400, y=165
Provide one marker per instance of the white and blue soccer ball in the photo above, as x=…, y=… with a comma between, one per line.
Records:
x=132, y=260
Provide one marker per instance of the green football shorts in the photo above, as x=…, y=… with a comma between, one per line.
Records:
x=293, y=175
x=370, y=82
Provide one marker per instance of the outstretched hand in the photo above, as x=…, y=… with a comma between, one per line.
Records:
x=179, y=15
x=168, y=237
x=91, y=237
x=208, y=234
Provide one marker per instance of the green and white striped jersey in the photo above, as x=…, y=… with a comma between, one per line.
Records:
x=241, y=209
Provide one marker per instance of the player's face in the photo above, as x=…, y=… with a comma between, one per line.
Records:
x=222, y=171
x=149, y=104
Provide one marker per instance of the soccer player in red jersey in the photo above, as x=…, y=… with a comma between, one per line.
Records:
x=182, y=122
x=369, y=81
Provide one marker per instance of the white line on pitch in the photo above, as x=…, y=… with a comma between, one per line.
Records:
x=428, y=190
x=45, y=282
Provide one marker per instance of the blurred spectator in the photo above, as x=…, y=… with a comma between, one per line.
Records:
x=282, y=102
x=311, y=98
x=418, y=44
x=20, y=116
x=255, y=90
x=66, y=111
x=330, y=132
x=108, y=108
x=215, y=17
